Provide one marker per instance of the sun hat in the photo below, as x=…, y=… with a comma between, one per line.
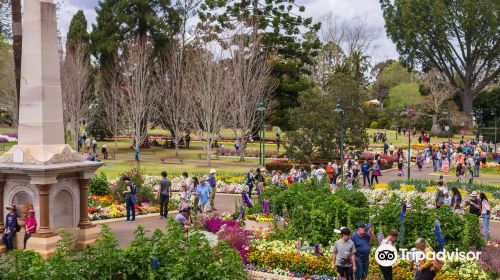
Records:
x=10, y=206
x=474, y=193
x=212, y=171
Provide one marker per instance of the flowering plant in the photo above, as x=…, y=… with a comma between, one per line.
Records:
x=214, y=224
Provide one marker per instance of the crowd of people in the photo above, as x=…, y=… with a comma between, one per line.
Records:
x=351, y=255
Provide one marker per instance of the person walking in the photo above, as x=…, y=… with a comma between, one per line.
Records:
x=425, y=269
x=165, y=193
x=389, y=240
x=260, y=180
x=203, y=191
x=250, y=180
x=30, y=225
x=344, y=255
x=485, y=213
x=213, y=184
x=130, y=198
x=477, y=165
x=94, y=146
x=196, y=203
x=420, y=161
x=11, y=227
x=375, y=169
x=391, y=149
x=361, y=239
x=365, y=168
x=278, y=141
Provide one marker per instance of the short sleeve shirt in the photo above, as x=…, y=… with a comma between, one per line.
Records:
x=362, y=245
x=343, y=251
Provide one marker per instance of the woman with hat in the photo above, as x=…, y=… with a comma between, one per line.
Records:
x=10, y=227
x=30, y=224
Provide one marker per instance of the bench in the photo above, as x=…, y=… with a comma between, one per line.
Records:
x=165, y=160
x=213, y=156
x=112, y=155
x=2, y=148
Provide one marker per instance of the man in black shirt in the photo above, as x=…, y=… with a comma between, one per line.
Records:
x=165, y=193
x=474, y=204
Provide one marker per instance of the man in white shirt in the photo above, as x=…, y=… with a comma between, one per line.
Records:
x=391, y=149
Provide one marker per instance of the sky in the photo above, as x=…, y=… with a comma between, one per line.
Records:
x=368, y=10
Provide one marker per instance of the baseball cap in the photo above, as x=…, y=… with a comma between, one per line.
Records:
x=362, y=225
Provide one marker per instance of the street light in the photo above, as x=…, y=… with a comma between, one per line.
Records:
x=494, y=114
x=261, y=108
x=448, y=111
x=338, y=109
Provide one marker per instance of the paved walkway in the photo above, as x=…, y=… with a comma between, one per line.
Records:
x=125, y=231
x=224, y=203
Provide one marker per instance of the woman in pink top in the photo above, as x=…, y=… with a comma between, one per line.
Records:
x=485, y=213
x=30, y=224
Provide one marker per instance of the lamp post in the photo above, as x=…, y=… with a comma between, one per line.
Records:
x=261, y=108
x=449, y=135
x=409, y=114
x=338, y=109
x=494, y=114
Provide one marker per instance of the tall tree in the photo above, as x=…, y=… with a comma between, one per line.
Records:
x=173, y=92
x=285, y=32
x=249, y=82
x=154, y=21
x=17, y=39
x=460, y=38
x=77, y=33
x=207, y=84
x=440, y=92
x=76, y=75
x=317, y=136
x=136, y=76
x=8, y=97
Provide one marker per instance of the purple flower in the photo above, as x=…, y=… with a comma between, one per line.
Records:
x=265, y=206
x=258, y=191
x=246, y=200
x=213, y=224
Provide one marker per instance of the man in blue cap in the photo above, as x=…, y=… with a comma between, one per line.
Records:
x=361, y=239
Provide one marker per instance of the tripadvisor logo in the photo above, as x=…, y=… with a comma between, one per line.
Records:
x=387, y=255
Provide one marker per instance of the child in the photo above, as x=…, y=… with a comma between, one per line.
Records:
x=343, y=255
x=11, y=227
x=30, y=224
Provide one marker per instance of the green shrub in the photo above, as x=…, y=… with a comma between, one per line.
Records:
x=374, y=124
x=179, y=256
x=353, y=198
x=99, y=185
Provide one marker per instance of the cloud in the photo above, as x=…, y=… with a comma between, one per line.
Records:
x=368, y=10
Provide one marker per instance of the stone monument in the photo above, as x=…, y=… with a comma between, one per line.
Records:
x=41, y=169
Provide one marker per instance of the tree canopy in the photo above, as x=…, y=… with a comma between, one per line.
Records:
x=460, y=38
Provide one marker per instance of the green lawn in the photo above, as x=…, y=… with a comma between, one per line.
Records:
x=401, y=140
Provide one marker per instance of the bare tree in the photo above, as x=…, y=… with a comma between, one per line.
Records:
x=8, y=95
x=249, y=82
x=207, y=84
x=76, y=74
x=439, y=92
x=110, y=92
x=351, y=35
x=174, y=96
x=137, y=96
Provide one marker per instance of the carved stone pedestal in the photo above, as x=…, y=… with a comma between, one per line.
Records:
x=45, y=245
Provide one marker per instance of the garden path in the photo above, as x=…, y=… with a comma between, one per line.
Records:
x=224, y=203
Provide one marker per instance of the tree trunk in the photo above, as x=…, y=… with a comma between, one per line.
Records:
x=467, y=101
x=242, y=150
x=436, y=128
x=17, y=32
x=177, y=146
x=209, y=147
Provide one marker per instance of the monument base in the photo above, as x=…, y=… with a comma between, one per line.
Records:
x=41, y=154
x=87, y=236
x=3, y=249
x=46, y=246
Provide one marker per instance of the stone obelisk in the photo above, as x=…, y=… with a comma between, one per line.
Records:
x=41, y=127
x=41, y=170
